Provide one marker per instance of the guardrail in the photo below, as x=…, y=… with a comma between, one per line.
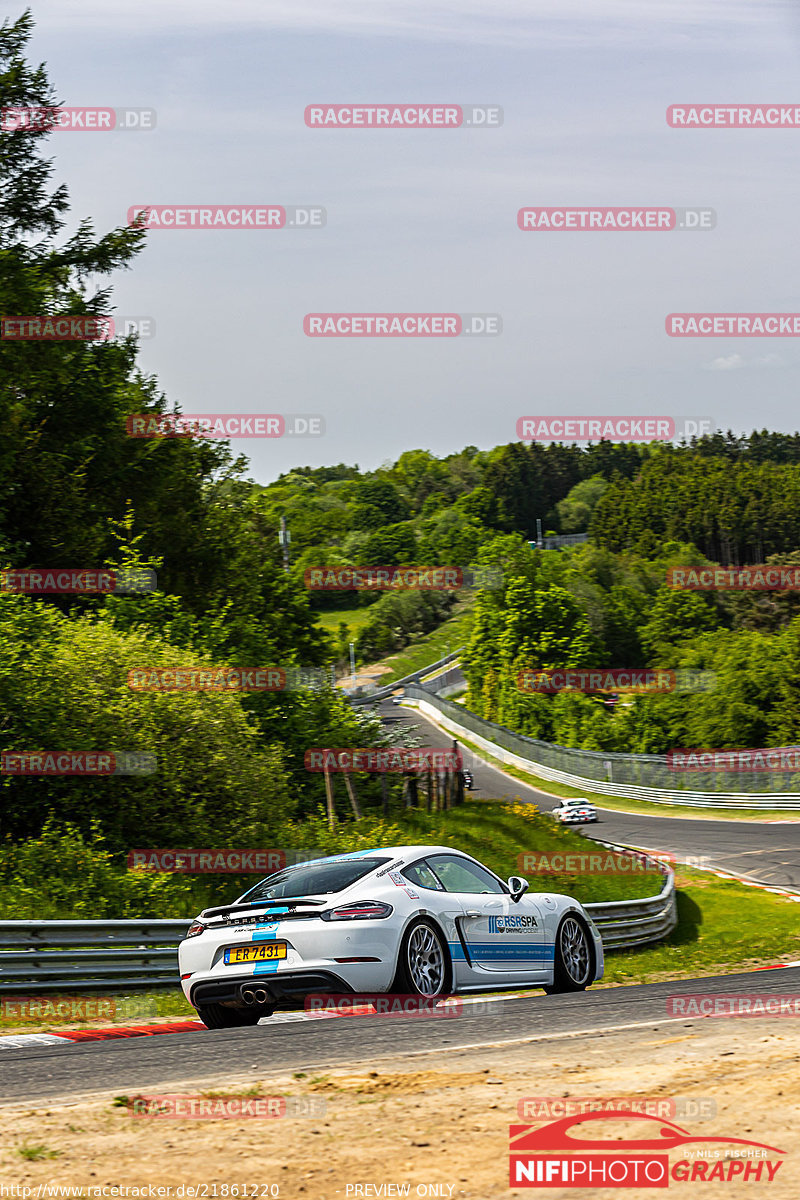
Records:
x=38, y=956
x=113, y=956
x=624, y=924
x=450, y=680
x=414, y=676
x=594, y=771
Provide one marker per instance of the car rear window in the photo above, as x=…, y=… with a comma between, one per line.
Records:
x=313, y=879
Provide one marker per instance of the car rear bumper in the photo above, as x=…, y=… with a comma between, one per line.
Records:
x=286, y=990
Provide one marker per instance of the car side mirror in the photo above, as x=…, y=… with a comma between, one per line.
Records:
x=517, y=887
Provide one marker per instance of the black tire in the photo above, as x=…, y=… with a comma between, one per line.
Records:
x=217, y=1016
x=574, y=958
x=423, y=962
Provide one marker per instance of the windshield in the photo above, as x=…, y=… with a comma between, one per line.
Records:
x=313, y=879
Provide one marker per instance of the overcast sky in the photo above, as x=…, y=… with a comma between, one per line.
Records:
x=425, y=220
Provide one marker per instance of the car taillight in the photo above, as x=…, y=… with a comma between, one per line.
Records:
x=195, y=928
x=361, y=910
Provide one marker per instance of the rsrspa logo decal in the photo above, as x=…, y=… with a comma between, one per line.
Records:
x=561, y=1154
x=512, y=924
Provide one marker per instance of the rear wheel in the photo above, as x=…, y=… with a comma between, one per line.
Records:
x=217, y=1016
x=423, y=968
x=574, y=958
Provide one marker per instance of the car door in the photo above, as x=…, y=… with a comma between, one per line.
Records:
x=500, y=938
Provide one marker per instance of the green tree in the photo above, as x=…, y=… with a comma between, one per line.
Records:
x=575, y=510
x=674, y=618
x=64, y=687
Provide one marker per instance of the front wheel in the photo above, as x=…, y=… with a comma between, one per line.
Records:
x=574, y=957
x=423, y=967
x=218, y=1016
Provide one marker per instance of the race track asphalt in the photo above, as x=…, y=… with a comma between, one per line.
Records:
x=764, y=852
x=179, y=1060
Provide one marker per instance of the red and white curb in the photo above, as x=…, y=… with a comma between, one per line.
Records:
x=29, y=1041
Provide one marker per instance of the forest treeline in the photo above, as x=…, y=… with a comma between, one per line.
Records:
x=590, y=607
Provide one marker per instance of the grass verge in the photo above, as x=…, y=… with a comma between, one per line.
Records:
x=446, y=638
x=35, y=1013
x=354, y=618
x=723, y=926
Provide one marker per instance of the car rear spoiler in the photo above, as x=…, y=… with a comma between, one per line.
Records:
x=240, y=907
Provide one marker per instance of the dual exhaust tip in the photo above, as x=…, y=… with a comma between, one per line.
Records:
x=255, y=996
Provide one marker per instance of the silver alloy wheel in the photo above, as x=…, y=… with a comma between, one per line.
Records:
x=575, y=953
x=425, y=959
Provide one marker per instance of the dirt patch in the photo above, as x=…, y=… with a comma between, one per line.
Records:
x=364, y=676
x=429, y=1121
x=403, y=1083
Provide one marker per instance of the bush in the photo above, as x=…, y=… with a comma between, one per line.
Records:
x=63, y=686
x=62, y=875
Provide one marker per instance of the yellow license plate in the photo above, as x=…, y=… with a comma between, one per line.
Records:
x=266, y=952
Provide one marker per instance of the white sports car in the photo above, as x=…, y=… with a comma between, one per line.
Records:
x=575, y=812
x=420, y=920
